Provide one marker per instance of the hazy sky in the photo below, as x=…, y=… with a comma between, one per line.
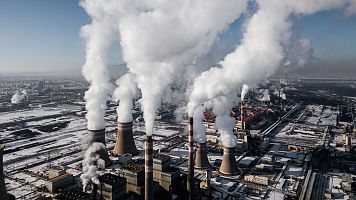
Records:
x=43, y=35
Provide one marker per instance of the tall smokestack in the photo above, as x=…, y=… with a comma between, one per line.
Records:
x=99, y=136
x=242, y=116
x=3, y=192
x=229, y=166
x=149, y=168
x=124, y=140
x=201, y=157
x=190, y=181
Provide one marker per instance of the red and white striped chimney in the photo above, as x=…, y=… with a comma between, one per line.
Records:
x=190, y=178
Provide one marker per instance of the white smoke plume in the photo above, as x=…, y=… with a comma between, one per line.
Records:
x=90, y=164
x=167, y=35
x=125, y=93
x=244, y=91
x=18, y=97
x=225, y=125
x=99, y=36
x=198, y=125
x=264, y=95
x=261, y=51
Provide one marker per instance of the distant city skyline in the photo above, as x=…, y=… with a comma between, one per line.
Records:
x=43, y=36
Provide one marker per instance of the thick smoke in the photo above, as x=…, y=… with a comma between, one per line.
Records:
x=99, y=36
x=125, y=93
x=166, y=36
x=224, y=123
x=261, y=51
x=90, y=164
x=198, y=125
x=264, y=95
x=18, y=97
x=244, y=91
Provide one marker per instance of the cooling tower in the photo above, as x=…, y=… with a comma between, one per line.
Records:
x=149, y=168
x=190, y=178
x=3, y=192
x=99, y=136
x=124, y=140
x=229, y=165
x=201, y=157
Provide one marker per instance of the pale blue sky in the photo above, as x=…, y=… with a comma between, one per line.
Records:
x=43, y=35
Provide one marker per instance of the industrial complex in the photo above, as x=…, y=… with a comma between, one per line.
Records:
x=285, y=149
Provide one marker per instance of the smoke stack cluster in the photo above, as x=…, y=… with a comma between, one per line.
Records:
x=124, y=140
x=3, y=192
x=190, y=181
x=149, y=168
x=99, y=137
x=201, y=157
x=229, y=166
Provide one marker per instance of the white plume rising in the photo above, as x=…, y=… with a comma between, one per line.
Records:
x=261, y=51
x=244, y=91
x=125, y=93
x=165, y=36
x=90, y=164
x=198, y=125
x=99, y=36
x=18, y=97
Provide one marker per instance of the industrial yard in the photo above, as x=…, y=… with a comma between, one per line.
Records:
x=45, y=146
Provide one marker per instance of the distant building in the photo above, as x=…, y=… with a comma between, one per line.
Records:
x=111, y=187
x=58, y=179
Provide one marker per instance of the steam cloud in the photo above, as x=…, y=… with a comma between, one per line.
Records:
x=166, y=36
x=265, y=95
x=261, y=51
x=18, y=97
x=125, y=92
x=198, y=125
x=244, y=91
x=90, y=164
x=99, y=36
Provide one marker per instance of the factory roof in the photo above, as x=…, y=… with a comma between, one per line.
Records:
x=111, y=179
x=60, y=178
x=73, y=195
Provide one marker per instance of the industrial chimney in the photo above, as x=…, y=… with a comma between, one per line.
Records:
x=124, y=140
x=229, y=166
x=201, y=157
x=149, y=168
x=3, y=192
x=242, y=116
x=99, y=136
x=190, y=178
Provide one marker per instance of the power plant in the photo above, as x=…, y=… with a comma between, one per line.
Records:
x=229, y=165
x=124, y=140
x=201, y=156
x=99, y=137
